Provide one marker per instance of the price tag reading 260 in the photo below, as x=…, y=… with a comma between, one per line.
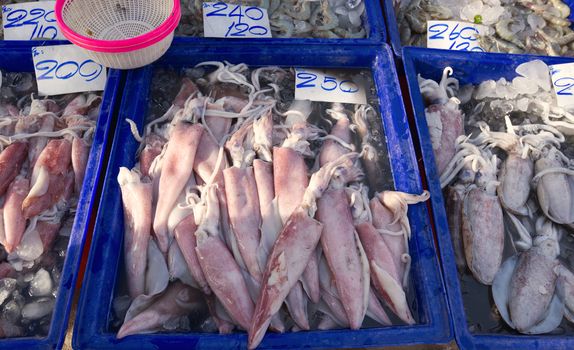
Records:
x=221, y=20
x=327, y=86
x=30, y=21
x=454, y=35
x=65, y=69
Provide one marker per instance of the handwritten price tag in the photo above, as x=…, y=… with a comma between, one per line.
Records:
x=454, y=35
x=562, y=76
x=221, y=20
x=327, y=86
x=30, y=21
x=65, y=69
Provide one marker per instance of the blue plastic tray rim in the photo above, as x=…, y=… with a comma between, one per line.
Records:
x=19, y=58
x=465, y=338
x=91, y=324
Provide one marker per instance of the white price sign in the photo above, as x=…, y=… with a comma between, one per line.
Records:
x=562, y=76
x=327, y=86
x=65, y=69
x=30, y=21
x=221, y=20
x=454, y=35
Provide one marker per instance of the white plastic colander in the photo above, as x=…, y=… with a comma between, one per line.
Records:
x=123, y=34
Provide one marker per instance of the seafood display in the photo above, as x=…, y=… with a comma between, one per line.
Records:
x=247, y=210
x=327, y=19
x=44, y=149
x=503, y=151
x=523, y=26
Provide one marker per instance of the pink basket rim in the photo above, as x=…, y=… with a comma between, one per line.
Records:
x=124, y=45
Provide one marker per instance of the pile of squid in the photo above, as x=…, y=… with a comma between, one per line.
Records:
x=44, y=149
x=506, y=169
x=512, y=26
x=236, y=208
x=328, y=19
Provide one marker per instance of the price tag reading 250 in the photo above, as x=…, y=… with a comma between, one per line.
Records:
x=454, y=35
x=221, y=20
x=30, y=21
x=65, y=69
x=327, y=86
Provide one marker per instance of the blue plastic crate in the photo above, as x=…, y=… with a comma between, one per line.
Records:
x=19, y=59
x=91, y=329
x=393, y=26
x=469, y=68
x=372, y=20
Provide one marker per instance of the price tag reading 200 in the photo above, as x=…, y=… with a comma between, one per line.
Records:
x=454, y=35
x=327, y=86
x=65, y=69
x=221, y=20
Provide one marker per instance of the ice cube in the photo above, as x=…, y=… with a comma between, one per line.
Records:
x=537, y=71
x=7, y=286
x=38, y=309
x=524, y=85
x=491, y=15
x=473, y=8
x=485, y=89
x=31, y=247
x=41, y=285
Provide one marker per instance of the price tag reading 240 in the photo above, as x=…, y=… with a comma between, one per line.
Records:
x=30, y=21
x=454, y=35
x=221, y=20
x=327, y=86
x=562, y=76
x=65, y=69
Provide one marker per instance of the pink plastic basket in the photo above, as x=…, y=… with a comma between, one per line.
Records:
x=122, y=34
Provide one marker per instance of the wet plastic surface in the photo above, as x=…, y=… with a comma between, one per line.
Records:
x=468, y=69
x=93, y=317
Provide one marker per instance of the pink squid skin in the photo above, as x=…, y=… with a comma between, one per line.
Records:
x=14, y=220
x=153, y=146
x=223, y=325
x=137, y=203
x=37, y=144
x=225, y=279
x=48, y=232
x=244, y=214
x=384, y=275
x=483, y=240
x=290, y=179
x=516, y=174
x=263, y=172
x=59, y=187
x=81, y=104
x=177, y=301
x=176, y=169
x=383, y=219
x=376, y=311
x=342, y=254
x=331, y=149
x=297, y=305
x=287, y=261
x=80, y=155
x=187, y=89
x=454, y=199
x=6, y=270
x=185, y=236
x=11, y=160
x=452, y=127
x=52, y=164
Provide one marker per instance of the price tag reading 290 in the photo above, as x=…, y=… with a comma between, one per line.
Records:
x=454, y=35
x=327, y=86
x=30, y=21
x=221, y=20
x=65, y=69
